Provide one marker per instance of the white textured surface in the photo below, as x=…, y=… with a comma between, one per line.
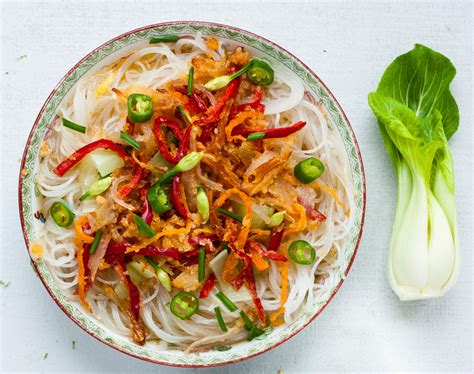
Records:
x=365, y=328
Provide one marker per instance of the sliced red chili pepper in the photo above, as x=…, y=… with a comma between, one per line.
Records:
x=199, y=102
x=133, y=292
x=213, y=113
x=114, y=249
x=206, y=133
x=77, y=156
x=275, y=241
x=273, y=255
x=254, y=104
x=250, y=280
x=316, y=215
x=160, y=135
x=176, y=199
x=146, y=212
x=279, y=132
x=208, y=286
x=184, y=144
x=87, y=271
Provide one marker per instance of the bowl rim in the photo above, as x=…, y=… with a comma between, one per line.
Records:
x=276, y=46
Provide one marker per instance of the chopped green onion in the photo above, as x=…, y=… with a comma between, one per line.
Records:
x=184, y=305
x=61, y=213
x=165, y=38
x=202, y=204
x=276, y=219
x=190, y=81
x=230, y=214
x=301, y=252
x=130, y=140
x=73, y=126
x=143, y=227
x=202, y=264
x=247, y=321
x=222, y=81
x=163, y=276
x=308, y=170
x=96, y=188
x=253, y=331
x=225, y=246
x=256, y=136
x=220, y=320
x=187, y=163
x=227, y=302
x=95, y=243
x=222, y=348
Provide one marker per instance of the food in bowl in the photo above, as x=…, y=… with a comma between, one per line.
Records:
x=193, y=195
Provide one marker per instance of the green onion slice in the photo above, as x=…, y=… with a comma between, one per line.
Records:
x=61, y=213
x=95, y=243
x=73, y=126
x=129, y=140
x=99, y=186
x=190, y=81
x=203, y=204
x=165, y=38
x=256, y=136
x=230, y=214
x=308, y=170
x=163, y=276
x=143, y=227
x=301, y=252
x=220, y=320
x=188, y=162
x=202, y=264
x=226, y=301
x=184, y=305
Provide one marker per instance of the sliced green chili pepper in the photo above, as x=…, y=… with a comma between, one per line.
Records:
x=184, y=305
x=308, y=170
x=190, y=81
x=222, y=81
x=260, y=73
x=129, y=140
x=202, y=204
x=230, y=214
x=95, y=243
x=97, y=187
x=158, y=199
x=166, y=38
x=227, y=302
x=187, y=163
x=163, y=276
x=140, y=107
x=73, y=126
x=61, y=213
x=143, y=227
x=220, y=320
x=302, y=252
x=255, y=136
x=202, y=263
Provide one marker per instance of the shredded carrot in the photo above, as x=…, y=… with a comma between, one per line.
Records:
x=260, y=232
x=80, y=236
x=283, y=267
x=170, y=232
x=240, y=118
x=229, y=267
x=258, y=261
x=204, y=230
x=36, y=250
x=301, y=225
x=246, y=222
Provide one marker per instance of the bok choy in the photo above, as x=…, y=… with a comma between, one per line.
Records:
x=417, y=115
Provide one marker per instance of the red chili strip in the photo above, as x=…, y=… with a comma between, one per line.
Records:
x=87, y=271
x=275, y=241
x=159, y=127
x=77, y=156
x=316, y=215
x=206, y=133
x=133, y=291
x=115, y=249
x=176, y=199
x=146, y=212
x=214, y=112
x=199, y=102
x=273, y=255
x=208, y=286
x=279, y=132
x=250, y=280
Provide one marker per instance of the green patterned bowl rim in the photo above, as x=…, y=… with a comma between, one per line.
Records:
x=272, y=50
